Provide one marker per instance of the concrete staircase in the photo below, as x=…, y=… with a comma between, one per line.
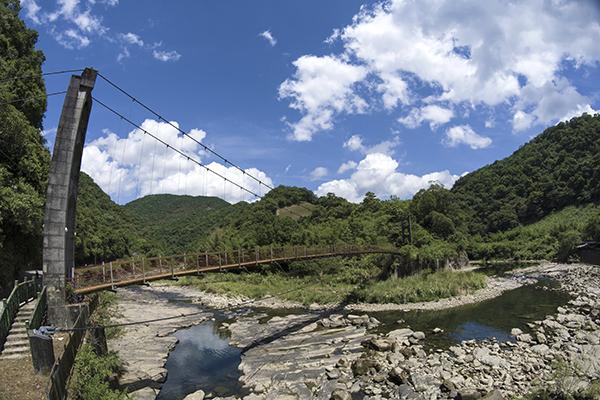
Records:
x=17, y=343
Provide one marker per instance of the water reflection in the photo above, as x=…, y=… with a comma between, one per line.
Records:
x=202, y=360
x=492, y=318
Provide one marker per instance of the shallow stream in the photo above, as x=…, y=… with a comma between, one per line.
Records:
x=203, y=358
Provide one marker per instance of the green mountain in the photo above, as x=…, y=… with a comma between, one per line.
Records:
x=558, y=168
x=104, y=231
x=170, y=224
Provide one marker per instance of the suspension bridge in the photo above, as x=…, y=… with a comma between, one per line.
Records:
x=30, y=305
x=142, y=270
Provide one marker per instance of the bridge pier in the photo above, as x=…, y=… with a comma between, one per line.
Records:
x=61, y=200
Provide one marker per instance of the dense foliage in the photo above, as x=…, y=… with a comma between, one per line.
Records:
x=556, y=169
x=169, y=224
x=103, y=229
x=23, y=155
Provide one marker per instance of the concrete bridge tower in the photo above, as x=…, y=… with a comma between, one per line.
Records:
x=61, y=199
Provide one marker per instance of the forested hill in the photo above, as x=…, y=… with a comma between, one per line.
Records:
x=558, y=168
x=104, y=231
x=170, y=223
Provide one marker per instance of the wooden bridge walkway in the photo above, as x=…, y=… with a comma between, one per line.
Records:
x=141, y=270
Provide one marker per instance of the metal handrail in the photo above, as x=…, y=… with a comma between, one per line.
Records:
x=21, y=293
x=40, y=311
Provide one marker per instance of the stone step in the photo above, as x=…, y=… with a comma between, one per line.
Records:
x=17, y=331
x=16, y=350
x=16, y=342
x=15, y=356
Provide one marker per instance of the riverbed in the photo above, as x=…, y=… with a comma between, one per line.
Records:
x=303, y=353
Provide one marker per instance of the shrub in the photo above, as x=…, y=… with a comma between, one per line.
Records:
x=91, y=374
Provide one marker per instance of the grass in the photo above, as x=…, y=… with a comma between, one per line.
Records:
x=353, y=280
x=423, y=286
x=305, y=290
x=297, y=211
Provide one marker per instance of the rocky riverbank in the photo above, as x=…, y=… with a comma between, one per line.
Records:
x=328, y=354
x=561, y=350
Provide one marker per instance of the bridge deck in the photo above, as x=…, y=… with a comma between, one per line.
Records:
x=140, y=270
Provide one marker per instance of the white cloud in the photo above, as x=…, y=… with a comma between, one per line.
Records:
x=32, y=10
x=436, y=116
x=379, y=173
x=268, y=36
x=347, y=166
x=137, y=165
x=123, y=54
x=581, y=109
x=522, y=121
x=494, y=57
x=132, y=38
x=355, y=143
x=464, y=134
x=71, y=39
x=164, y=56
x=321, y=87
x=318, y=173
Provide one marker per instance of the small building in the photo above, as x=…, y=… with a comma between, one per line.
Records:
x=589, y=252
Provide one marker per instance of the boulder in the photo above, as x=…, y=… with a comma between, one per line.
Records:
x=516, y=332
x=400, y=333
x=418, y=335
x=340, y=394
x=493, y=395
x=361, y=366
x=398, y=376
x=379, y=344
x=199, y=395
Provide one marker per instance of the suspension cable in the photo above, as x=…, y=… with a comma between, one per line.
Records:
x=160, y=117
x=34, y=74
x=4, y=103
x=182, y=153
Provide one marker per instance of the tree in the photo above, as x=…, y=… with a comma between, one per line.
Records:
x=24, y=158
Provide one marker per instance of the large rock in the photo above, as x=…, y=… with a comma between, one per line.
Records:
x=362, y=366
x=398, y=376
x=401, y=333
x=484, y=356
x=199, y=395
x=493, y=395
x=340, y=394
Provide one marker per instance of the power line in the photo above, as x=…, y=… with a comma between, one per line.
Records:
x=33, y=98
x=205, y=147
x=35, y=74
x=189, y=158
x=182, y=153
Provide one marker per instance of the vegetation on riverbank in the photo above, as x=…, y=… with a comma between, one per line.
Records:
x=94, y=376
x=92, y=373
x=423, y=286
x=337, y=280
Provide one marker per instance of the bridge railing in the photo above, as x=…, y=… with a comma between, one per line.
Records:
x=21, y=293
x=141, y=269
x=40, y=311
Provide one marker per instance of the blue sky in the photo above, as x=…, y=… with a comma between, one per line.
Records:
x=337, y=96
